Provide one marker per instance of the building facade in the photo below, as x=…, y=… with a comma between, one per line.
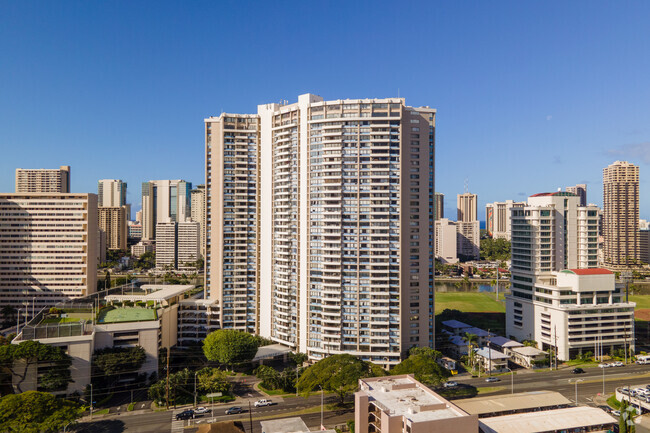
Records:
x=468, y=240
x=621, y=215
x=43, y=180
x=48, y=248
x=581, y=191
x=113, y=221
x=497, y=218
x=467, y=207
x=198, y=213
x=112, y=193
x=164, y=201
x=438, y=206
x=446, y=241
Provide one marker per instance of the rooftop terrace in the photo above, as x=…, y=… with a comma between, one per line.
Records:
x=126, y=314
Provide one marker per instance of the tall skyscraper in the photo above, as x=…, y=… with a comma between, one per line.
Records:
x=177, y=245
x=345, y=205
x=581, y=191
x=113, y=221
x=467, y=207
x=198, y=213
x=112, y=193
x=48, y=246
x=438, y=206
x=497, y=218
x=43, y=180
x=621, y=215
x=164, y=201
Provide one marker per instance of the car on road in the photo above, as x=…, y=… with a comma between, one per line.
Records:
x=233, y=410
x=201, y=410
x=263, y=402
x=450, y=384
x=577, y=371
x=604, y=365
x=617, y=364
x=492, y=379
x=186, y=414
x=616, y=413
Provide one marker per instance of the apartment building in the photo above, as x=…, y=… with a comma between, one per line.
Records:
x=166, y=244
x=112, y=193
x=468, y=240
x=621, y=215
x=134, y=231
x=142, y=247
x=113, y=221
x=497, y=218
x=177, y=246
x=232, y=218
x=43, y=180
x=48, y=248
x=467, y=207
x=644, y=245
x=581, y=191
x=164, y=201
x=401, y=404
x=341, y=231
x=446, y=241
x=198, y=213
x=438, y=206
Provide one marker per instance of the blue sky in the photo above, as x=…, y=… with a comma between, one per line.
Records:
x=531, y=96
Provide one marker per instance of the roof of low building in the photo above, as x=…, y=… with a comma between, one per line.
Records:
x=457, y=340
x=287, y=425
x=490, y=353
x=528, y=351
x=151, y=292
x=532, y=400
x=557, y=193
x=479, y=332
x=504, y=342
x=455, y=324
x=591, y=271
x=271, y=351
x=222, y=427
x=548, y=420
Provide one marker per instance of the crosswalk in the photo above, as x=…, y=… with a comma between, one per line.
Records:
x=178, y=426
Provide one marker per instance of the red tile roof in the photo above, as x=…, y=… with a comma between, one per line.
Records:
x=592, y=271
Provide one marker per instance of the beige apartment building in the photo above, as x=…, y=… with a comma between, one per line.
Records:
x=438, y=206
x=48, y=248
x=497, y=218
x=467, y=207
x=164, y=201
x=446, y=241
x=580, y=190
x=112, y=193
x=43, y=180
x=334, y=200
x=198, y=213
x=401, y=404
x=621, y=215
x=113, y=221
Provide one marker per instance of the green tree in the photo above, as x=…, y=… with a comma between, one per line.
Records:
x=298, y=358
x=269, y=376
x=228, y=347
x=424, y=368
x=113, y=361
x=213, y=380
x=8, y=316
x=36, y=412
x=470, y=339
x=339, y=374
x=495, y=249
x=625, y=420
x=181, y=388
x=426, y=351
x=19, y=359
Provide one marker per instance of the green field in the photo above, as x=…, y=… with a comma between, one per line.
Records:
x=60, y=320
x=470, y=302
x=642, y=301
x=126, y=314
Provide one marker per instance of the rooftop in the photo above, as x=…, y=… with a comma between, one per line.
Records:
x=548, y=420
x=504, y=342
x=532, y=400
x=490, y=353
x=126, y=314
x=479, y=332
x=151, y=292
x=286, y=425
x=455, y=324
x=406, y=397
x=528, y=351
x=271, y=351
x=592, y=271
x=557, y=193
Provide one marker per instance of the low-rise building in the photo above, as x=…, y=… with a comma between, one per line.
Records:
x=196, y=319
x=571, y=419
x=503, y=344
x=142, y=247
x=401, y=404
x=527, y=356
x=490, y=360
x=508, y=404
x=287, y=425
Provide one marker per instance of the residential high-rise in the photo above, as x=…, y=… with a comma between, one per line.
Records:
x=112, y=193
x=188, y=249
x=113, y=221
x=644, y=245
x=446, y=241
x=166, y=245
x=581, y=191
x=497, y=218
x=467, y=207
x=48, y=248
x=438, y=206
x=344, y=194
x=177, y=246
x=198, y=213
x=232, y=226
x=621, y=215
x=43, y=180
x=164, y=201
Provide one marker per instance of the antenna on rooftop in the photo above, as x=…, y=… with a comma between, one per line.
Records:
x=466, y=185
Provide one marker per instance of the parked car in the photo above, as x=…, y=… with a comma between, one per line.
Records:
x=450, y=384
x=263, y=402
x=577, y=371
x=233, y=410
x=492, y=379
x=616, y=413
x=617, y=364
x=186, y=414
x=201, y=410
x=604, y=365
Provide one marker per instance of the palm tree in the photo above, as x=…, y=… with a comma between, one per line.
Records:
x=470, y=339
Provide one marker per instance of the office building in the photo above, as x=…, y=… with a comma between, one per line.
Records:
x=112, y=220
x=112, y=193
x=138, y=216
x=497, y=218
x=164, y=201
x=336, y=233
x=134, y=231
x=43, y=180
x=621, y=215
x=467, y=207
x=48, y=248
x=581, y=191
x=446, y=241
x=177, y=246
x=198, y=213
x=232, y=226
x=401, y=404
x=438, y=206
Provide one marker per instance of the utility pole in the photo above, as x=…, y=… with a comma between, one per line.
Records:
x=167, y=397
x=489, y=353
x=555, y=349
x=91, y=401
x=250, y=415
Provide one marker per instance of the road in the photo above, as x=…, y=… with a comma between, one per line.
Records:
x=591, y=385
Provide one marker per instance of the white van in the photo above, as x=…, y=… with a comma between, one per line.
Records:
x=643, y=359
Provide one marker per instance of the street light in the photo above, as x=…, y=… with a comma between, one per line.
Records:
x=321, y=408
x=512, y=380
x=195, y=373
x=576, y=384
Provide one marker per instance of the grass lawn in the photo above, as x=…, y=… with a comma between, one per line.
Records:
x=642, y=301
x=469, y=302
x=612, y=402
x=489, y=389
x=126, y=314
x=275, y=391
x=60, y=320
x=101, y=412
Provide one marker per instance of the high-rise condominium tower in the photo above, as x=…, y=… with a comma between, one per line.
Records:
x=621, y=214
x=43, y=180
x=497, y=218
x=581, y=191
x=113, y=221
x=164, y=201
x=48, y=248
x=198, y=213
x=112, y=193
x=343, y=245
x=467, y=210
x=438, y=206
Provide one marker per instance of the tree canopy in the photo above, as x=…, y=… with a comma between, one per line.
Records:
x=423, y=367
x=31, y=353
x=213, y=380
x=495, y=249
x=228, y=347
x=36, y=412
x=339, y=374
x=115, y=360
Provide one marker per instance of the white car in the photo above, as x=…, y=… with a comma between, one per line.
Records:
x=617, y=364
x=604, y=365
x=201, y=410
x=616, y=413
x=450, y=384
x=263, y=402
